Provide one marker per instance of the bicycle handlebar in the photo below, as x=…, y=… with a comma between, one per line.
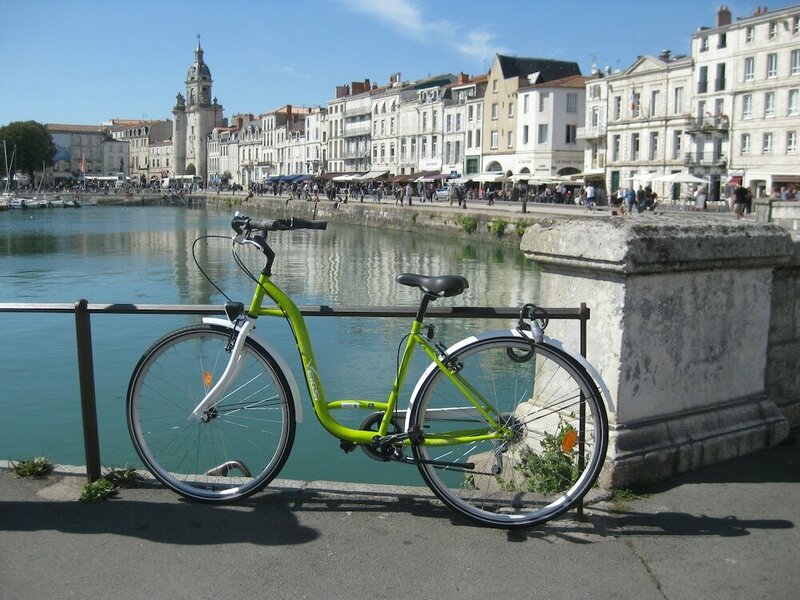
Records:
x=242, y=224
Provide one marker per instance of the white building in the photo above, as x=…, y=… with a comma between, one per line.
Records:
x=747, y=103
x=549, y=115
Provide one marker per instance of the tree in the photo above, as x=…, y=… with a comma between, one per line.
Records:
x=31, y=144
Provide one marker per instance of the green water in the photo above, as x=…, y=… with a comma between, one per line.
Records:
x=143, y=256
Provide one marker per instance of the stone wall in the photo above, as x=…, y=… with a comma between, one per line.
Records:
x=687, y=317
x=785, y=213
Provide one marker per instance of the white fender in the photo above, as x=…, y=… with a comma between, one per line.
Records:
x=601, y=385
x=282, y=364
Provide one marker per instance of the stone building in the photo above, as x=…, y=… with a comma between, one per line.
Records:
x=194, y=118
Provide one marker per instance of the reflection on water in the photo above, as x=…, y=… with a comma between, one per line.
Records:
x=144, y=256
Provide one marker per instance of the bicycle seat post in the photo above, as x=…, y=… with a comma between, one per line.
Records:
x=423, y=305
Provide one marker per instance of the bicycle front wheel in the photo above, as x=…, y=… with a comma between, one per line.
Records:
x=532, y=447
x=239, y=445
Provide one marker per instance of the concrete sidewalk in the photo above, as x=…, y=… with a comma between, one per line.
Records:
x=727, y=531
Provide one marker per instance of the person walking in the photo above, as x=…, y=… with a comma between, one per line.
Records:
x=408, y=193
x=630, y=200
x=740, y=200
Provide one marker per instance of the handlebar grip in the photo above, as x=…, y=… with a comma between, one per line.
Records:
x=306, y=224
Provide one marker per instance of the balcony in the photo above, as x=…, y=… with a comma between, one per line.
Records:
x=357, y=129
x=705, y=159
x=356, y=154
x=592, y=132
x=708, y=124
x=355, y=111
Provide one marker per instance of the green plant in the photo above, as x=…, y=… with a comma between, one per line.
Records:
x=468, y=224
x=98, y=490
x=414, y=217
x=555, y=468
x=498, y=227
x=127, y=477
x=36, y=467
x=520, y=227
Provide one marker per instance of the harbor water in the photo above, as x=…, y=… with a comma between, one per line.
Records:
x=143, y=255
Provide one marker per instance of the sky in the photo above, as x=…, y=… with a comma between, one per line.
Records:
x=88, y=61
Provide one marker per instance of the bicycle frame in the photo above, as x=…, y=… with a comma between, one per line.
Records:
x=286, y=308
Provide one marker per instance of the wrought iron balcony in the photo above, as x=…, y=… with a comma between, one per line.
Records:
x=708, y=124
x=705, y=159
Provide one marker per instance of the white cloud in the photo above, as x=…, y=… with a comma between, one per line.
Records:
x=408, y=19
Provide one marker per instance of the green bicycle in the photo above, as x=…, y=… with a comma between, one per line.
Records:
x=507, y=428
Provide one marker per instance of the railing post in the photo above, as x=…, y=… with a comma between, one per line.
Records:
x=91, y=438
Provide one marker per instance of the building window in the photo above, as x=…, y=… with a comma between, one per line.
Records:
x=772, y=65
x=615, y=145
x=744, y=144
x=791, y=141
x=469, y=112
x=773, y=30
x=795, y=64
x=494, y=86
x=524, y=134
x=493, y=138
x=794, y=103
x=510, y=110
x=494, y=111
x=749, y=34
x=704, y=44
x=796, y=25
x=766, y=145
x=653, y=152
x=719, y=82
x=677, y=144
x=749, y=68
x=595, y=92
x=617, y=107
x=677, y=101
x=769, y=104
x=457, y=156
x=458, y=121
x=543, y=133
x=525, y=104
x=702, y=82
x=434, y=146
x=654, y=101
x=572, y=102
x=634, y=146
x=747, y=106
x=635, y=96
x=722, y=42
x=543, y=97
x=424, y=148
x=448, y=123
x=510, y=139
x=571, y=134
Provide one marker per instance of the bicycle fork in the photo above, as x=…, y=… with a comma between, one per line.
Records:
x=214, y=395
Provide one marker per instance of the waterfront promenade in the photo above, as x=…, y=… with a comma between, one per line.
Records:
x=722, y=532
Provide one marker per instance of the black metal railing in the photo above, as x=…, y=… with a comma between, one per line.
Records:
x=83, y=310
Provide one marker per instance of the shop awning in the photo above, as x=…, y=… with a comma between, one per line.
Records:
x=734, y=180
x=369, y=176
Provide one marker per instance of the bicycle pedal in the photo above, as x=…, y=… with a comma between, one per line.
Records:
x=347, y=446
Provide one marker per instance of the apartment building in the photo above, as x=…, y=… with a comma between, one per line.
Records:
x=466, y=118
x=549, y=115
x=507, y=75
x=748, y=80
x=87, y=149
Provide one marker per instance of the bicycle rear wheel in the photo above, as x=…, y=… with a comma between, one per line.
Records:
x=239, y=445
x=547, y=422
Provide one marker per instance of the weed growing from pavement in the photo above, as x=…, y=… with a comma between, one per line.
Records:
x=98, y=490
x=37, y=467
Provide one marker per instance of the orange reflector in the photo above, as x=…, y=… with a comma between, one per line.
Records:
x=569, y=441
x=208, y=379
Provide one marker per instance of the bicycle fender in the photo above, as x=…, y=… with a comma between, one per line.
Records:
x=282, y=364
x=601, y=385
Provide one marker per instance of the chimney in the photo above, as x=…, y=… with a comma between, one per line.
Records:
x=462, y=78
x=342, y=91
x=357, y=87
x=723, y=16
x=665, y=54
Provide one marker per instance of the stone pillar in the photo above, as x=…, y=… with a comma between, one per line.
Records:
x=680, y=317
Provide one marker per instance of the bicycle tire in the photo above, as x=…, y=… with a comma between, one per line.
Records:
x=241, y=443
x=535, y=474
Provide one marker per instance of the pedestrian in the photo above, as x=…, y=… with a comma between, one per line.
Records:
x=630, y=199
x=740, y=200
x=640, y=199
x=408, y=193
x=590, y=196
x=451, y=194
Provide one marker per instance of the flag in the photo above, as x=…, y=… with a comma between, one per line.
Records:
x=83, y=164
x=634, y=101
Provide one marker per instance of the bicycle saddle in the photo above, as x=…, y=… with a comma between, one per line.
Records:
x=442, y=286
